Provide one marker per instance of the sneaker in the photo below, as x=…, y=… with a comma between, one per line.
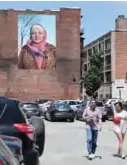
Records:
x=118, y=154
x=92, y=156
x=123, y=156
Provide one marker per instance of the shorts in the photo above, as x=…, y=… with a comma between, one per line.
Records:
x=118, y=129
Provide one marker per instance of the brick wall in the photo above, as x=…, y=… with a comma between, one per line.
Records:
x=31, y=84
x=121, y=54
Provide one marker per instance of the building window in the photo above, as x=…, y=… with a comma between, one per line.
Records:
x=101, y=46
x=85, y=67
x=108, y=44
x=85, y=56
x=107, y=96
x=108, y=62
x=102, y=62
x=95, y=49
x=102, y=78
x=108, y=77
x=89, y=52
x=101, y=96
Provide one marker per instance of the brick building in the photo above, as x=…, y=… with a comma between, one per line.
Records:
x=114, y=59
x=34, y=84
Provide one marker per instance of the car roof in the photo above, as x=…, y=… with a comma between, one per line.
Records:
x=29, y=102
x=73, y=100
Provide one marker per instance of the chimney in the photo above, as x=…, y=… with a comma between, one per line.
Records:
x=121, y=23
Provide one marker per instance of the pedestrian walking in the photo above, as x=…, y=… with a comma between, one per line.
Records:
x=93, y=119
x=120, y=121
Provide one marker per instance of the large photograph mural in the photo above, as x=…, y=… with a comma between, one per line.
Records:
x=36, y=42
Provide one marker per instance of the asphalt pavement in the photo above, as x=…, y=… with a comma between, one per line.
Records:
x=66, y=145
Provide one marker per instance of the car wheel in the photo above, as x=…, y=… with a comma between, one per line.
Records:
x=103, y=119
x=39, y=125
x=72, y=120
x=48, y=117
x=45, y=116
x=77, y=118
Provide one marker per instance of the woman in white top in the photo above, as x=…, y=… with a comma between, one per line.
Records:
x=121, y=126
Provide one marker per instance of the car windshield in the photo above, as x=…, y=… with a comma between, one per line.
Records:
x=83, y=103
x=78, y=102
x=72, y=103
x=99, y=104
x=62, y=105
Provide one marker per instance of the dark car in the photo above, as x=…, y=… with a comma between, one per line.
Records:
x=109, y=113
x=6, y=156
x=60, y=110
x=15, y=146
x=31, y=109
x=13, y=122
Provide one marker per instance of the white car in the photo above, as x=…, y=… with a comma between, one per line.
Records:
x=45, y=105
x=108, y=103
x=74, y=104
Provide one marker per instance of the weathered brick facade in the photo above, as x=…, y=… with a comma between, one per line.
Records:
x=121, y=48
x=121, y=55
x=34, y=84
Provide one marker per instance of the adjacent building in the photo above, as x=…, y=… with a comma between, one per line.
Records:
x=114, y=59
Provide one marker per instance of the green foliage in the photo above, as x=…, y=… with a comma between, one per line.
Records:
x=92, y=78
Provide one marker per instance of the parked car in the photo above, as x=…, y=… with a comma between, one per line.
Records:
x=13, y=122
x=30, y=109
x=15, y=146
x=44, y=105
x=6, y=156
x=109, y=101
x=74, y=104
x=100, y=105
x=42, y=101
x=80, y=110
x=60, y=110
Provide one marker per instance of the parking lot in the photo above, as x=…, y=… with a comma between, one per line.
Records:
x=66, y=144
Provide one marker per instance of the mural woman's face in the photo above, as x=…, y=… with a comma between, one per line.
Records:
x=37, y=35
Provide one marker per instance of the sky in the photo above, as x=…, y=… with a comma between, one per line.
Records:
x=98, y=17
x=41, y=19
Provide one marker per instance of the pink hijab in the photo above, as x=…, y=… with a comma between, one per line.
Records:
x=37, y=48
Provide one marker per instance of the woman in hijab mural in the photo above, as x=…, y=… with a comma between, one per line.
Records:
x=37, y=54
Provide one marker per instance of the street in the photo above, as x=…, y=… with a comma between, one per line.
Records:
x=66, y=145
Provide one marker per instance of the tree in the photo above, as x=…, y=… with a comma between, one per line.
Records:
x=92, y=78
x=25, y=22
